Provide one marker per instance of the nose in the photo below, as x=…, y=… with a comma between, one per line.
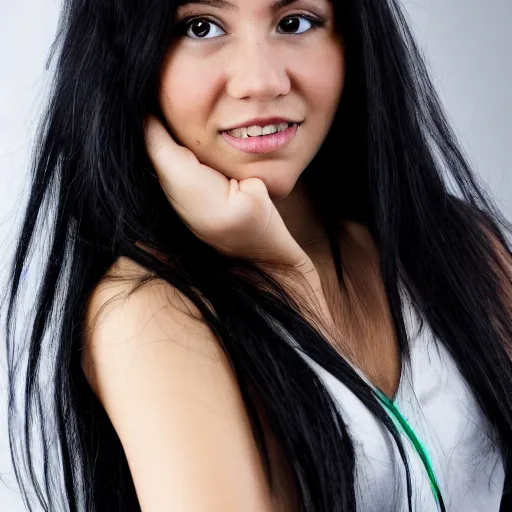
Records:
x=257, y=73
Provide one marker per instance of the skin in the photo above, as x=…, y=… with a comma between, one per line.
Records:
x=246, y=69
x=245, y=64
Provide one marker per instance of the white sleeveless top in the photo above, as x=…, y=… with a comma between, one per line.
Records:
x=437, y=403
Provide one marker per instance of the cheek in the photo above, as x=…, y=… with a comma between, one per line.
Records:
x=187, y=95
x=324, y=76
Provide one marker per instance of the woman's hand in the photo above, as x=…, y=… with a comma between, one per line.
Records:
x=236, y=217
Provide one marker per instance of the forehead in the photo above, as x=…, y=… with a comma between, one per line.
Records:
x=235, y=5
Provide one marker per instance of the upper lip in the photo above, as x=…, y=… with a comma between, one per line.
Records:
x=261, y=121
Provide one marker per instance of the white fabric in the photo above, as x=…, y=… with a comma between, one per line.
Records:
x=436, y=401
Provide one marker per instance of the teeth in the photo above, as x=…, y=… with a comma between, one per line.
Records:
x=254, y=131
x=267, y=130
x=257, y=131
x=237, y=132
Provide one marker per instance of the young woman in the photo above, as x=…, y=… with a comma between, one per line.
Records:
x=273, y=283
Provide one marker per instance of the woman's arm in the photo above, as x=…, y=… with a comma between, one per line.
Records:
x=174, y=402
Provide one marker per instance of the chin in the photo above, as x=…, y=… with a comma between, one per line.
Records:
x=278, y=193
x=278, y=178
x=278, y=188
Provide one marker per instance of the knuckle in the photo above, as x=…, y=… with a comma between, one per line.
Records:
x=160, y=155
x=252, y=185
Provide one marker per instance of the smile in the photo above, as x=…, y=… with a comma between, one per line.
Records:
x=261, y=139
x=258, y=131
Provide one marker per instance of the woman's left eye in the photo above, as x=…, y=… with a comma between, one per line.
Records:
x=297, y=24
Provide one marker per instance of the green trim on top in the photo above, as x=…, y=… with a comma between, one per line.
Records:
x=404, y=426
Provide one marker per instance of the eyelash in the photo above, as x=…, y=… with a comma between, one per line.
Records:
x=184, y=25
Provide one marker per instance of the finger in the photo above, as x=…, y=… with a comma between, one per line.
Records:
x=181, y=175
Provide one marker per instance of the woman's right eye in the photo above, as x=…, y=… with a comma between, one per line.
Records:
x=202, y=28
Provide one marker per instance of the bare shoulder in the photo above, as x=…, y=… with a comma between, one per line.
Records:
x=127, y=298
x=128, y=315
x=172, y=397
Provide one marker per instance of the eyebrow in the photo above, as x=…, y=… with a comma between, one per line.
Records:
x=224, y=4
x=221, y=4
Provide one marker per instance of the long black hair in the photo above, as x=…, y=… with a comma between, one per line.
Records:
x=390, y=161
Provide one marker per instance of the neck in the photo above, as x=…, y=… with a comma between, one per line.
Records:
x=300, y=218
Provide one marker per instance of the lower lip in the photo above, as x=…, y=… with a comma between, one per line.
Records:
x=263, y=143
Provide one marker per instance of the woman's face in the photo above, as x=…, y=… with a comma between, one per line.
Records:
x=274, y=68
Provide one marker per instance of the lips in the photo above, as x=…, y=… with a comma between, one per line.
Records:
x=262, y=144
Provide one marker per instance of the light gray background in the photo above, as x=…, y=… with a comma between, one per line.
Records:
x=467, y=42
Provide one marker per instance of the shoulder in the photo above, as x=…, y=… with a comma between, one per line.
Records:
x=171, y=396
x=127, y=303
x=144, y=328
